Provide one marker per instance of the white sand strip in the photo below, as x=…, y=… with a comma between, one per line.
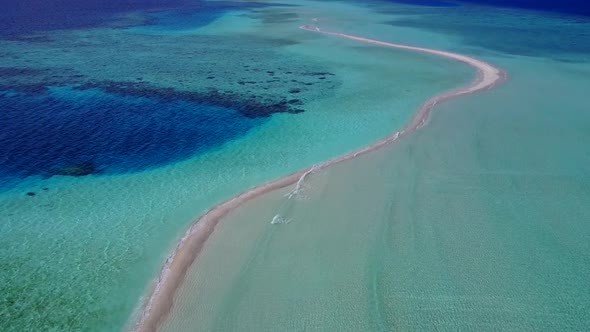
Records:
x=172, y=274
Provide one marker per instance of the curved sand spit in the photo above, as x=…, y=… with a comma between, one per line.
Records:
x=159, y=302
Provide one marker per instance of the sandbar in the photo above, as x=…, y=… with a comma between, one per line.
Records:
x=160, y=299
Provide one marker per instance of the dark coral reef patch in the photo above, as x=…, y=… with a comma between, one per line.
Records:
x=248, y=105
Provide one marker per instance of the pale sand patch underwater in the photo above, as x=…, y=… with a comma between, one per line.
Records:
x=176, y=266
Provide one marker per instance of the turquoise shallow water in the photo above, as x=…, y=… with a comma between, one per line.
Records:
x=478, y=221
x=79, y=252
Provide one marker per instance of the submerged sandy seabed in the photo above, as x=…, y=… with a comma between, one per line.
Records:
x=160, y=300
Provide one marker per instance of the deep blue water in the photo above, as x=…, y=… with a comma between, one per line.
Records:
x=25, y=16
x=577, y=7
x=67, y=130
x=561, y=37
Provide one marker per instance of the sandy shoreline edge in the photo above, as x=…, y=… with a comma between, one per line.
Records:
x=160, y=300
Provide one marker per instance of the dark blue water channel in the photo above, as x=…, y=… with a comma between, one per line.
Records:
x=71, y=132
x=19, y=17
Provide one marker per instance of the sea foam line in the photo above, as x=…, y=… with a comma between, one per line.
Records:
x=299, y=186
x=160, y=299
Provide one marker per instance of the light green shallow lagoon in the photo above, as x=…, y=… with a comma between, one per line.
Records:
x=479, y=221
